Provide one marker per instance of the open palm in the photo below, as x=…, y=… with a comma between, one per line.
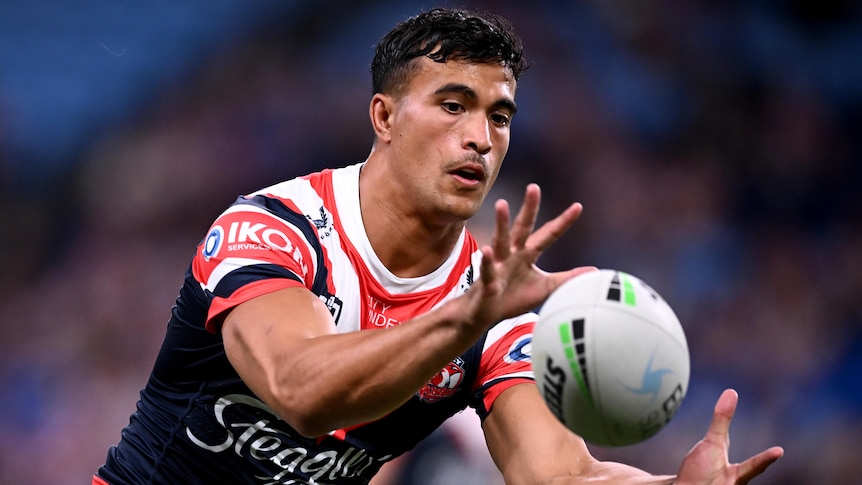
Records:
x=707, y=462
x=511, y=282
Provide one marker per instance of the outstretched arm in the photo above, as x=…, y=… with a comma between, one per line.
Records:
x=529, y=445
x=282, y=343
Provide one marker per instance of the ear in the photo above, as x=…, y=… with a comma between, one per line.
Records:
x=380, y=111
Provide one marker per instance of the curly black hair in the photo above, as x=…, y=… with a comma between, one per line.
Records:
x=442, y=35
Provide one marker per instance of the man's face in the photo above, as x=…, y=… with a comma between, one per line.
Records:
x=450, y=133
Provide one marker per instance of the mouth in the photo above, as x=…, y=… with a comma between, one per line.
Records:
x=469, y=173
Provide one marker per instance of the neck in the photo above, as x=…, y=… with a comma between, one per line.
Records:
x=408, y=242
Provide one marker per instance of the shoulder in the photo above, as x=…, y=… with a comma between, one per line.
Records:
x=277, y=228
x=307, y=201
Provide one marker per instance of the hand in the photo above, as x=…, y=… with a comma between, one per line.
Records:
x=511, y=283
x=707, y=462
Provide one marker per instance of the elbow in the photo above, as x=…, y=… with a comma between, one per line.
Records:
x=305, y=416
x=309, y=426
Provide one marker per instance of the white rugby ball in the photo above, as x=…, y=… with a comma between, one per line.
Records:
x=610, y=358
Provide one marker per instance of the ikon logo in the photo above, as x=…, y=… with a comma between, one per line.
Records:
x=258, y=233
x=246, y=235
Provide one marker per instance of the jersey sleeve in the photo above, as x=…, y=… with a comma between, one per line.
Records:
x=255, y=247
x=505, y=361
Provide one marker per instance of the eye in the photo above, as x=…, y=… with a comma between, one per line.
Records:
x=452, y=107
x=500, y=119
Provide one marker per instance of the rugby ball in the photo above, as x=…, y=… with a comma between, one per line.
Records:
x=610, y=358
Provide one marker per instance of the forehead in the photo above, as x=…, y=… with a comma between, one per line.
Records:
x=494, y=80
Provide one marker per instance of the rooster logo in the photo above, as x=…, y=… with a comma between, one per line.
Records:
x=445, y=383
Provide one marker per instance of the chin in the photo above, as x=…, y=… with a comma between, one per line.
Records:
x=463, y=210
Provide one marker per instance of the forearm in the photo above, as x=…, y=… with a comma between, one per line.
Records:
x=370, y=373
x=596, y=473
x=543, y=450
x=608, y=472
x=575, y=469
x=319, y=381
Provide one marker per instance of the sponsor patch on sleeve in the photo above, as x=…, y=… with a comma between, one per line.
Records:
x=505, y=358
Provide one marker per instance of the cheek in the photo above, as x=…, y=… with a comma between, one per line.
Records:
x=501, y=148
x=501, y=139
x=409, y=132
x=421, y=142
x=492, y=179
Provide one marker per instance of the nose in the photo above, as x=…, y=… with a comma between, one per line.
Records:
x=477, y=135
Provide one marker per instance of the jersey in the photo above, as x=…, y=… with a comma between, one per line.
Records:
x=197, y=422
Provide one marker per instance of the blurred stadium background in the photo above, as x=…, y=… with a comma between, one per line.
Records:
x=715, y=145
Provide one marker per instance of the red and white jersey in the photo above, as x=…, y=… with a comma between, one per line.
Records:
x=196, y=414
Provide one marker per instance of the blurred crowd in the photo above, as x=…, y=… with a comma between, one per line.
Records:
x=715, y=146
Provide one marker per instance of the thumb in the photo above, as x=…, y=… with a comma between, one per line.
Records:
x=557, y=279
x=719, y=428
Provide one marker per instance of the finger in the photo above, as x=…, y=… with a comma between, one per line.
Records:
x=552, y=230
x=561, y=277
x=758, y=463
x=719, y=428
x=487, y=272
x=525, y=221
x=555, y=280
x=500, y=240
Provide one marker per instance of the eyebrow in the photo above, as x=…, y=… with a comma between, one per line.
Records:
x=467, y=91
